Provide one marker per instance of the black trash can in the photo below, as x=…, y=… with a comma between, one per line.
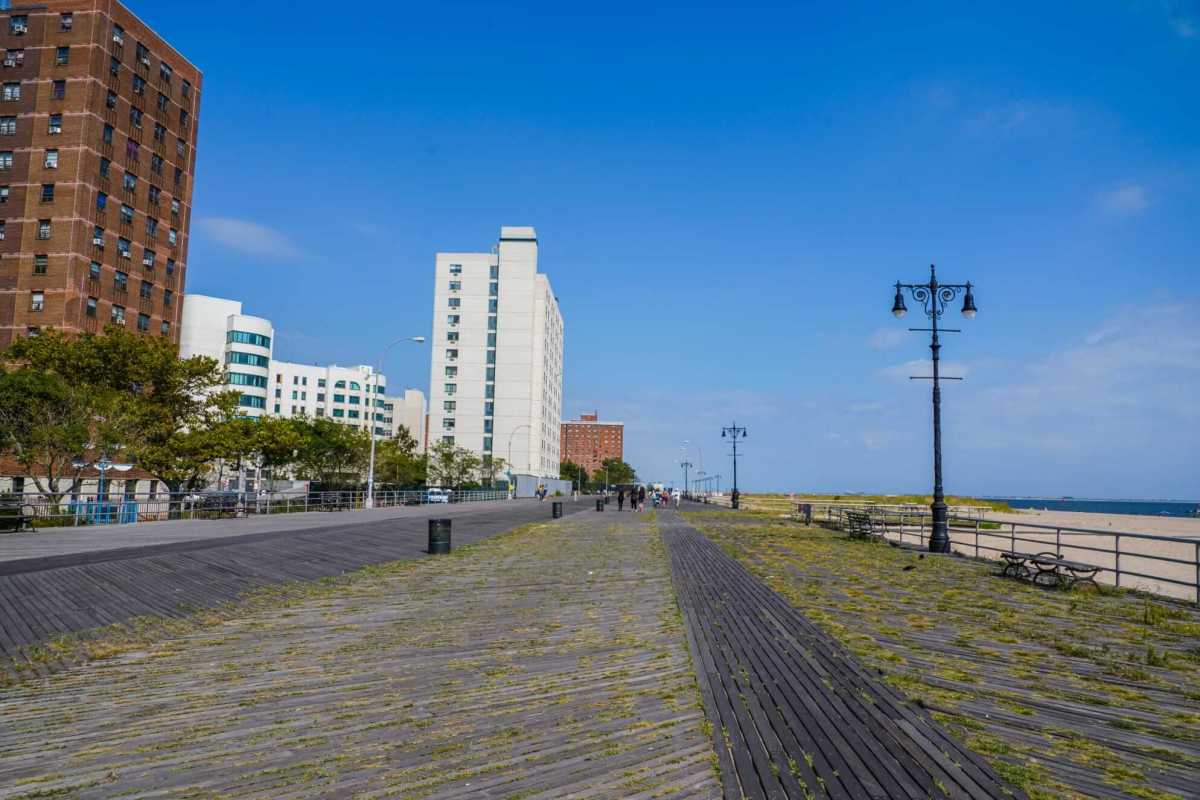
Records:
x=556, y=509
x=599, y=504
x=439, y=536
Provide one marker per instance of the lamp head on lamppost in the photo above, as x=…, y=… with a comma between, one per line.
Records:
x=968, y=309
x=898, y=307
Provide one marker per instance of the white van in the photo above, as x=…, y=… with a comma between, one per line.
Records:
x=437, y=495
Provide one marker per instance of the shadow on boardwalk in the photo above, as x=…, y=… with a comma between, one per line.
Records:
x=548, y=663
x=794, y=714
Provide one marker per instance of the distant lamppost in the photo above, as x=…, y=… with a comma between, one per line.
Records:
x=511, y=486
x=734, y=432
x=686, y=465
x=373, y=414
x=101, y=465
x=934, y=297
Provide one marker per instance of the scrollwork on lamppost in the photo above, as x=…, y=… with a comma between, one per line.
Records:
x=934, y=297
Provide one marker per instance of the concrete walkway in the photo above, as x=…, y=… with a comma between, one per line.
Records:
x=66, y=540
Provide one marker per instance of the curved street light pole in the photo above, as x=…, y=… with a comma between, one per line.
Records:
x=734, y=432
x=370, y=499
x=934, y=297
x=511, y=487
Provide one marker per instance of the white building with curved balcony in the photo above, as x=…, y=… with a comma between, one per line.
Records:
x=217, y=328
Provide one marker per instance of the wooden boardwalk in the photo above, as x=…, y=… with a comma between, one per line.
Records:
x=794, y=715
x=550, y=663
x=44, y=597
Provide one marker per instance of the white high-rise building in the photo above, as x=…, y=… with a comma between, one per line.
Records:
x=496, y=380
x=408, y=410
x=217, y=328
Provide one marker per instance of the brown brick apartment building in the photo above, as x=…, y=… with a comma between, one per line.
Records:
x=98, y=122
x=588, y=441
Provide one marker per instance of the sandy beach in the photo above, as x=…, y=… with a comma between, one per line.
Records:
x=1131, y=523
x=1162, y=566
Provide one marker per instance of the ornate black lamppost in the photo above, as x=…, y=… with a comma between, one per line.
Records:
x=735, y=433
x=934, y=297
x=685, y=465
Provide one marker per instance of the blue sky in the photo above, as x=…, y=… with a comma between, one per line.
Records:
x=724, y=195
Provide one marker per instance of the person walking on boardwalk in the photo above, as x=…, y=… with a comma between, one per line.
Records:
x=621, y=499
x=641, y=493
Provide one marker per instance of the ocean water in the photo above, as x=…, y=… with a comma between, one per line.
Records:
x=1152, y=508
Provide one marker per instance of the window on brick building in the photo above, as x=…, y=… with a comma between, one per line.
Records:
x=8, y=126
x=50, y=161
x=90, y=306
x=118, y=315
x=58, y=89
x=62, y=56
x=43, y=229
x=47, y=192
x=66, y=21
x=12, y=91
x=41, y=263
x=37, y=301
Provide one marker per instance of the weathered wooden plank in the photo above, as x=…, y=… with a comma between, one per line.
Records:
x=796, y=696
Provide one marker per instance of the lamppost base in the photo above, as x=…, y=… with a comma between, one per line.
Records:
x=939, y=538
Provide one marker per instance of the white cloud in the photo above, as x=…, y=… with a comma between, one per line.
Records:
x=1125, y=391
x=1126, y=200
x=887, y=338
x=249, y=238
x=1004, y=119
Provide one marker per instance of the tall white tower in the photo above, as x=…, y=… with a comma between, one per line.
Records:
x=496, y=377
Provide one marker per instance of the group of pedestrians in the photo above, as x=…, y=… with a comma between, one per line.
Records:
x=661, y=498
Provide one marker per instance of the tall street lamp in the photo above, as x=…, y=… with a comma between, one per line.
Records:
x=734, y=432
x=374, y=400
x=934, y=297
x=686, y=465
x=511, y=486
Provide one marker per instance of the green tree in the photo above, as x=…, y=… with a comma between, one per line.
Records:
x=451, y=466
x=490, y=468
x=278, y=441
x=166, y=411
x=570, y=471
x=332, y=454
x=397, y=461
x=46, y=424
x=618, y=471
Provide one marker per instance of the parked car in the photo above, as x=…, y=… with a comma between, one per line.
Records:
x=437, y=495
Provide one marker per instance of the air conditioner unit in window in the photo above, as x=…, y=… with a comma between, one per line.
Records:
x=10, y=62
x=145, y=61
x=98, y=241
x=19, y=28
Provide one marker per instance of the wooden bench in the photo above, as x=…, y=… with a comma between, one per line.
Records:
x=15, y=523
x=1062, y=572
x=859, y=525
x=1049, y=569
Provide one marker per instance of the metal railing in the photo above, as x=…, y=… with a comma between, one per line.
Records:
x=1164, y=565
x=83, y=510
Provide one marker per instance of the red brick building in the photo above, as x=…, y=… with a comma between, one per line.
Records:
x=98, y=120
x=588, y=441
